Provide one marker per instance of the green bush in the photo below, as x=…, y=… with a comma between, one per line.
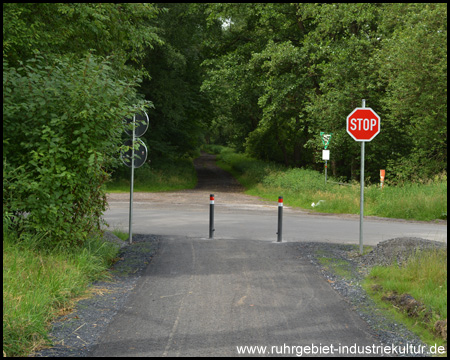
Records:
x=252, y=171
x=62, y=125
x=213, y=149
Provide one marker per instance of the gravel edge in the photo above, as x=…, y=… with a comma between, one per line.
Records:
x=387, y=331
x=75, y=334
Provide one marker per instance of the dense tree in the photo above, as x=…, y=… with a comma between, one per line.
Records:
x=413, y=65
x=282, y=73
x=122, y=30
x=63, y=106
x=180, y=112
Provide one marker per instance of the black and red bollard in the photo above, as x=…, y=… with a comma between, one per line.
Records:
x=280, y=219
x=211, y=216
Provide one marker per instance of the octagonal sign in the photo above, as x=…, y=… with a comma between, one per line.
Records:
x=363, y=124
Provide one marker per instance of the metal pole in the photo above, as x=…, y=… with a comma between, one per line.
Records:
x=280, y=219
x=326, y=162
x=211, y=216
x=130, y=225
x=361, y=202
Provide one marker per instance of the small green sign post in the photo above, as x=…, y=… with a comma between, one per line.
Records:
x=325, y=139
x=325, y=153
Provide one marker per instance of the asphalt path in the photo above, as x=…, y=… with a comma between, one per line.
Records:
x=213, y=297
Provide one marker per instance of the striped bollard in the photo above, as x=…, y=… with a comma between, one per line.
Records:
x=211, y=216
x=280, y=218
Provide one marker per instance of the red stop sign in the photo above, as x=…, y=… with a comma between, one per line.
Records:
x=363, y=124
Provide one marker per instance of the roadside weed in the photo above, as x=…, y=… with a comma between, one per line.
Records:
x=306, y=188
x=415, y=293
x=38, y=284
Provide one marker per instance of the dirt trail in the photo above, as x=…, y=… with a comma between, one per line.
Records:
x=211, y=180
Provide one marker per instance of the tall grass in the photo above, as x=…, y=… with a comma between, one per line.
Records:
x=424, y=277
x=302, y=188
x=161, y=175
x=410, y=200
x=38, y=285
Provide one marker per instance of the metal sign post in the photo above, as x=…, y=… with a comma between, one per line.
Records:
x=128, y=157
x=363, y=124
x=130, y=224
x=326, y=157
x=361, y=201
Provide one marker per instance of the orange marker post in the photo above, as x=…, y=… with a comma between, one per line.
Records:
x=382, y=173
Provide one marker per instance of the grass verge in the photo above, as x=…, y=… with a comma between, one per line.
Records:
x=161, y=175
x=415, y=294
x=120, y=234
x=39, y=286
x=339, y=266
x=305, y=188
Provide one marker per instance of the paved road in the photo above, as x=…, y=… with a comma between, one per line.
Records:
x=181, y=214
x=201, y=297
x=207, y=297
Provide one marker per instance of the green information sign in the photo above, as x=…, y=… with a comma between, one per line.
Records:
x=325, y=138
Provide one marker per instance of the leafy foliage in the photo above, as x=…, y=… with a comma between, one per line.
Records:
x=123, y=30
x=178, y=119
x=64, y=100
x=279, y=74
x=415, y=102
x=64, y=122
